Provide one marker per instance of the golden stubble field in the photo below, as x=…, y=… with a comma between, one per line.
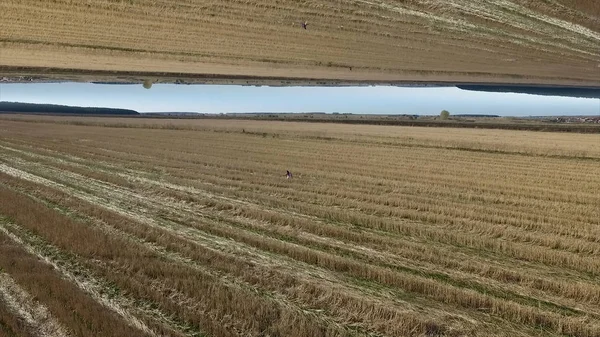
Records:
x=127, y=227
x=514, y=41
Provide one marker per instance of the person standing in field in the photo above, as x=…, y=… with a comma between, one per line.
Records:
x=288, y=175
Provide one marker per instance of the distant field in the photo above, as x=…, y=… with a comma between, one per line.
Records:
x=507, y=41
x=194, y=121
x=383, y=231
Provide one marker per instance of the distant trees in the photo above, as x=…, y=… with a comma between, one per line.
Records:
x=444, y=114
x=15, y=107
x=148, y=84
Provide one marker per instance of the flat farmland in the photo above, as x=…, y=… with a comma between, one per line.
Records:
x=128, y=227
x=509, y=41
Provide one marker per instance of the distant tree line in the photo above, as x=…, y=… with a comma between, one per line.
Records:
x=533, y=90
x=14, y=107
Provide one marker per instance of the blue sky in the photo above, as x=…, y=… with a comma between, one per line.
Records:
x=229, y=98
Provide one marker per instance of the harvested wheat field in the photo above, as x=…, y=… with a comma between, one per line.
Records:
x=128, y=227
x=510, y=41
